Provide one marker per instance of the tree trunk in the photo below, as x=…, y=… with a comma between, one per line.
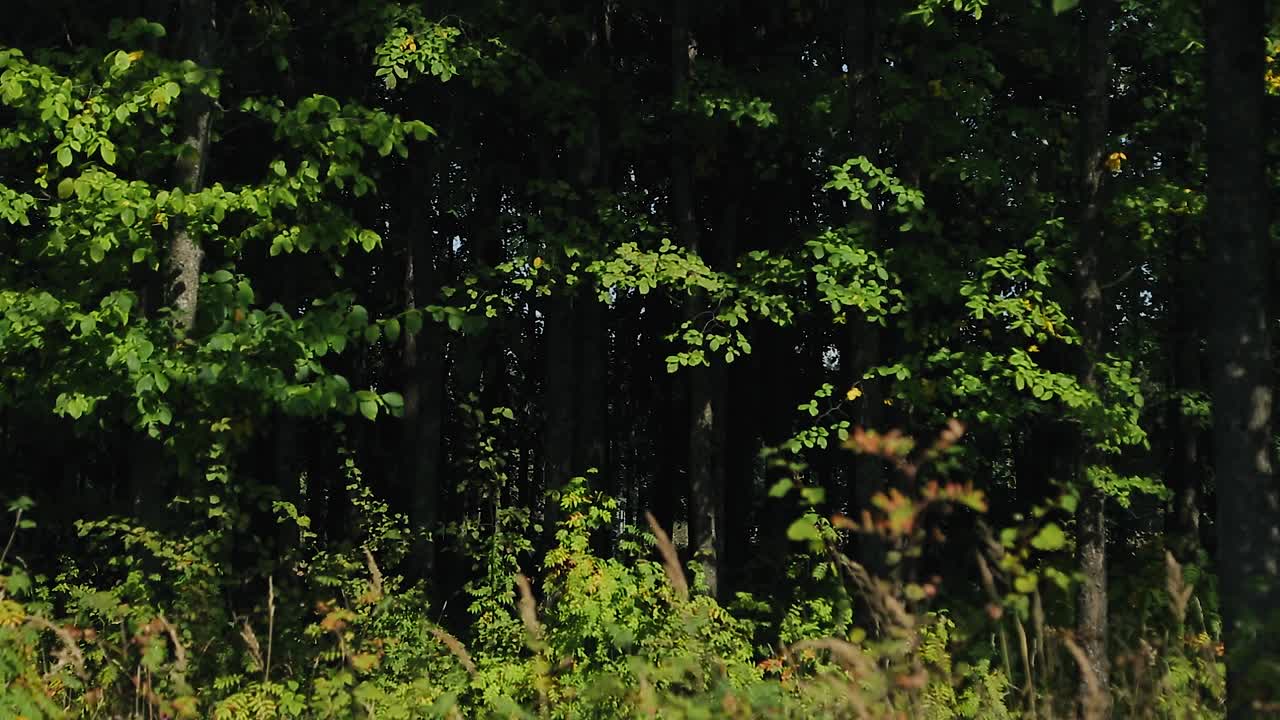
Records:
x=591, y=419
x=592, y=341
x=423, y=369
x=149, y=469
x=558, y=397
x=1248, y=498
x=182, y=262
x=706, y=387
x=1185, y=466
x=1094, y=696
x=862, y=87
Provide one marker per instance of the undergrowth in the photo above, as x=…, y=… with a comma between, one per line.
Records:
x=155, y=626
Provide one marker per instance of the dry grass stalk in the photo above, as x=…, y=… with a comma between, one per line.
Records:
x=251, y=642
x=1029, y=688
x=1178, y=589
x=179, y=651
x=529, y=610
x=375, y=575
x=1093, y=700
x=848, y=685
x=456, y=647
x=888, y=610
x=849, y=656
x=670, y=560
x=69, y=651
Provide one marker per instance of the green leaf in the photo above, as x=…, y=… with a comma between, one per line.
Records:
x=18, y=582
x=1069, y=502
x=369, y=408
x=1050, y=538
x=393, y=400
x=108, y=152
x=780, y=488
x=1061, y=6
x=413, y=321
x=64, y=156
x=1025, y=584
x=391, y=329
x=805, y=528
x=66, y=188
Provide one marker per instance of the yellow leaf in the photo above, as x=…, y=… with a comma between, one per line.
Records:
x=854, y=393
x=1115, y=160
x=537, y=262
x=11, y=613
x=135, y=56
x=1033, y=349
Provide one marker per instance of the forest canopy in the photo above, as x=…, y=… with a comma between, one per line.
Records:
x=638, y=358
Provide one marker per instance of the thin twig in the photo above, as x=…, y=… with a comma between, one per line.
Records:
x=12, y=534
x=271, y=625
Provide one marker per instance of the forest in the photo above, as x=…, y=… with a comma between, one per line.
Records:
x=638, y=359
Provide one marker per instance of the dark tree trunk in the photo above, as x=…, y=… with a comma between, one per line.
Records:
x=1091, y=542
x=1248, y=517
x=706, y=384
x=182, y=261
x=591, y=418
x=149, y=469
x=862, y=60
x=591, y=343
x=558, y=395
x=1185, y=463
x=735, y=452
x=423, y=376
x=576, y=338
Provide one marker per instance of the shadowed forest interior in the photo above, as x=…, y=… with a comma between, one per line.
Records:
x=638, y=358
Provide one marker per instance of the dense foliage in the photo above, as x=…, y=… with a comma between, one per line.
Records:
x=618, y=358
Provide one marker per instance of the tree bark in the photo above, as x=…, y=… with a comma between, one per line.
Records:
x=592, y=341
x=1094, y=698
x=1247, y=496
x=182, y=261
x=558, y=335
x=180, y=281
x=576, y=437
x=423, y=376
x=1185, y=462
x=706, y=386
x=862, y=88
